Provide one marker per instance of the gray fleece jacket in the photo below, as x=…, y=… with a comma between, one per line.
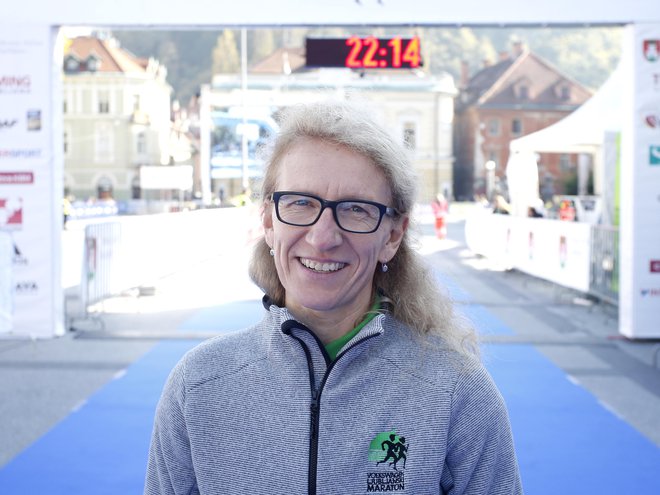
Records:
x=264, y=411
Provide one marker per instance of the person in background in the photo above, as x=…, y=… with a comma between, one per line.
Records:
x=567, y=210
x=532, y=212
x=360, y=376
x=501, y=205
x=440, y=207
x=67, y=208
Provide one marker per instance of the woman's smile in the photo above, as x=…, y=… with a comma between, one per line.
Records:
x=320, y=266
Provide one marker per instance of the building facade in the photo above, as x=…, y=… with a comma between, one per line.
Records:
x=116, y=119
x=416, y=108
x=520, y=94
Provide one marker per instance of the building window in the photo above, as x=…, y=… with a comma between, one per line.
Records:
x=565, y=93
x=136, y=103
x=410, y=135
x=65, y=106
x=104, y=102
x=136, y=191
x=65, y=142
x=104, y=188
x=565, y=162
x=494, y=127
x=141, y=143
x=93, y=63
x=523, y=92
x=516, y=127
x=71, y=64
x=103, y=149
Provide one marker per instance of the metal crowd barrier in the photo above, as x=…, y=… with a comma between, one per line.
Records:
x=604, y=272
x=100, y=262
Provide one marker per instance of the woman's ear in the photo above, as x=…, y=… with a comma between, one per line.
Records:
x=267, y=222
x=396, y=232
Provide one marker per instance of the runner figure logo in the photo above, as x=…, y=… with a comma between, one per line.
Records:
x=390, y=450
x=396, y=450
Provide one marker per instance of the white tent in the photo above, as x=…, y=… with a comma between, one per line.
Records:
x=587, y=131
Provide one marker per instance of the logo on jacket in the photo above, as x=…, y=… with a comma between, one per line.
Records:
x=388, y=451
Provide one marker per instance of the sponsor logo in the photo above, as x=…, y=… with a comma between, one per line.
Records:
x=7, y=124
x=15, y=84
x=651, y=50
x=652, y=120
x=654, y=266
x=14, y=178
x=19, y=258
x=34, y=120
x=388, y=451
x=654, y=155
x=26, y=287
x=20, y=153
x=655, y=292
x=11, y=213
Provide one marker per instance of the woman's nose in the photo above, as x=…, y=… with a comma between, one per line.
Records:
x=325, y=233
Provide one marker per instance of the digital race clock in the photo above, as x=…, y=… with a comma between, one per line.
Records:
x=364, y=53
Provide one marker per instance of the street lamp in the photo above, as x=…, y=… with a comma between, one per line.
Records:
x=490, y=179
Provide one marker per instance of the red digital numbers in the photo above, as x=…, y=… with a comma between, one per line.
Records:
x=373, y=53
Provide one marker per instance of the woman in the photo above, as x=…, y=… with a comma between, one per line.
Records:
x=359, y=362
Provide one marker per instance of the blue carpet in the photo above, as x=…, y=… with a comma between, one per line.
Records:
x=102, y=448
x=567, y=442
x=481, y=318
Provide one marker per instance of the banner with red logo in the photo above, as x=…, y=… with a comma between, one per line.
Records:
x=30, y=185
x=639, y=292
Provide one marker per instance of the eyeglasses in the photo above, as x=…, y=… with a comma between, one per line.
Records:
x=352, y=215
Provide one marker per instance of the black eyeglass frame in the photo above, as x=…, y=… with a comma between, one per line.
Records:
x=326, y=203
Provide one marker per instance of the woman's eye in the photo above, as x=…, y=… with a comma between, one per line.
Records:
x=357, y=209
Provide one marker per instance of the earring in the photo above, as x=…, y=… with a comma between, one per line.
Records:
x=383, y=267
x=272, y=252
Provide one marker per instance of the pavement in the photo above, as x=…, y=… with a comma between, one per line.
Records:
x=42, y=382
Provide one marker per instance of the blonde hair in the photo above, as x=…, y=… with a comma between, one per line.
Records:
x=408, y=283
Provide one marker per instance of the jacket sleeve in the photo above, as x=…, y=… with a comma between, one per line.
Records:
x=170, y=469
x=480, y=459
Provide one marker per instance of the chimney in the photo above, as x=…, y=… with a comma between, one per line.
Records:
x=504, y=55
x=465, y=73
x=517, y=47
x=486, y=62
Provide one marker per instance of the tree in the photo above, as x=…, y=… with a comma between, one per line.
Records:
x=226, y=58
x=261, y=43
x=445, y=49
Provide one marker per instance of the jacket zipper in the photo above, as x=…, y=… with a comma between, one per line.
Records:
x=313, y=442
x=315, y=410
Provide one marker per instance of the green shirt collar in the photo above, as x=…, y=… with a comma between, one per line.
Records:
x=332, y=348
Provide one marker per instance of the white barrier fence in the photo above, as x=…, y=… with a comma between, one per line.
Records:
x=122, y=253
x=554, y=250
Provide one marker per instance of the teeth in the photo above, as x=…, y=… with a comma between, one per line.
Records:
x=322, y=267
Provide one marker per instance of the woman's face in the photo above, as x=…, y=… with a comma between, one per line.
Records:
x=327, y=271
